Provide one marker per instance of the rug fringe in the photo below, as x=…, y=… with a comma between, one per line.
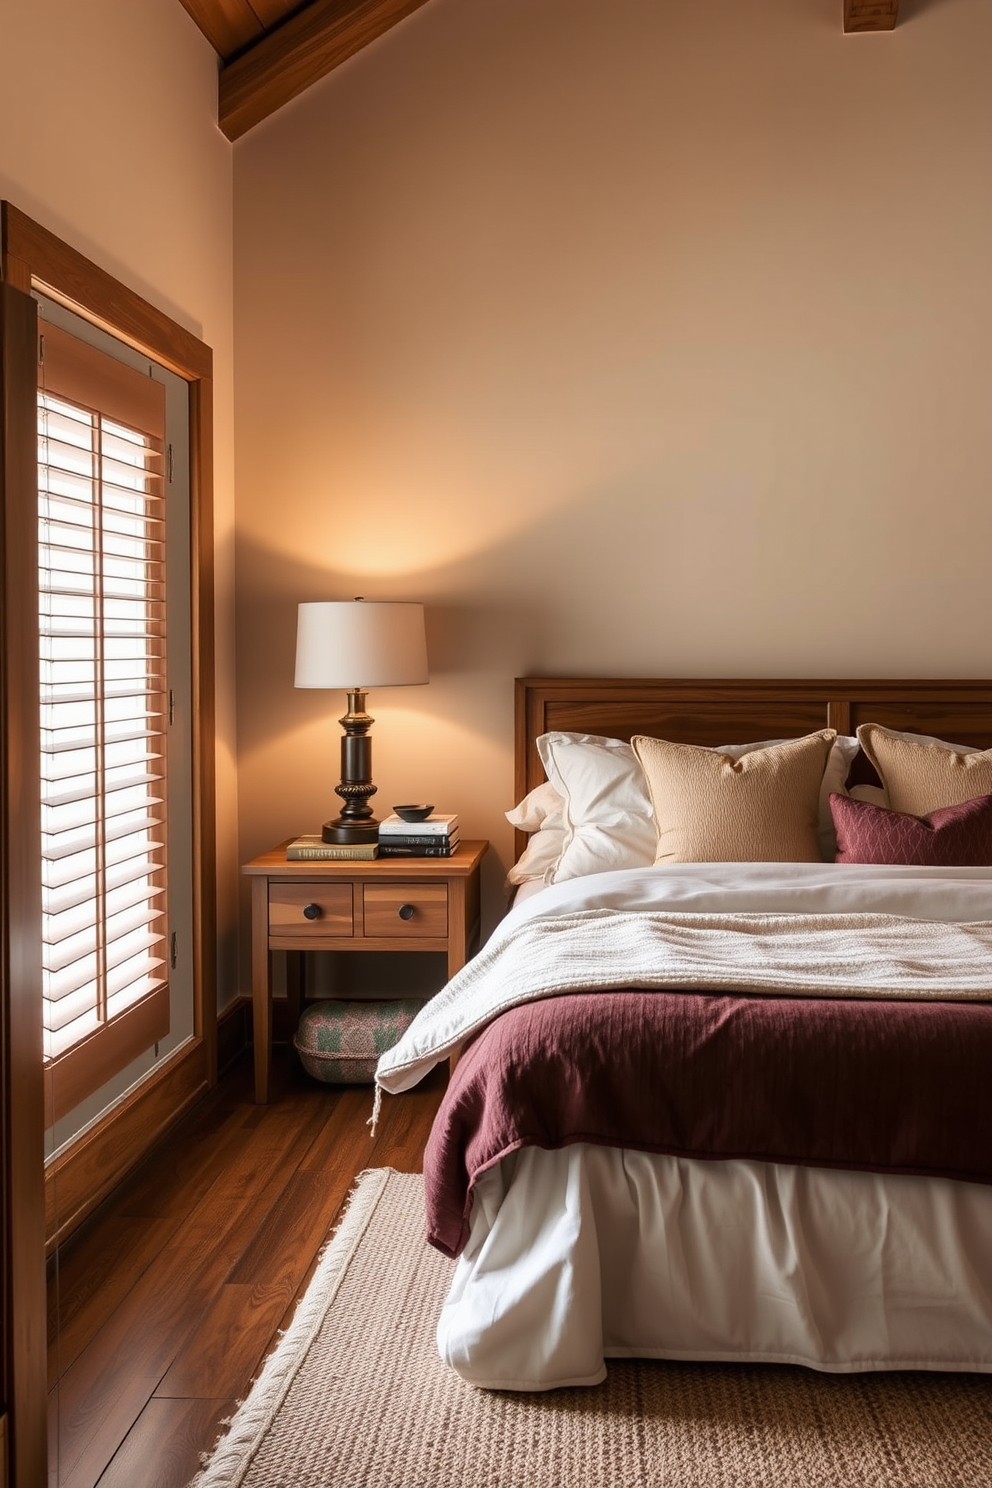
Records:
x=233, y=1454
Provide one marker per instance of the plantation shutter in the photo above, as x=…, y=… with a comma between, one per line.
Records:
x=101, y=579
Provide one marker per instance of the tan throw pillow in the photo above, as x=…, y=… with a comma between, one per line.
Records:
x=921, y=774
x=761, y=808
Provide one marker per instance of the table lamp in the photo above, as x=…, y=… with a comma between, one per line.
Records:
x=354, y=645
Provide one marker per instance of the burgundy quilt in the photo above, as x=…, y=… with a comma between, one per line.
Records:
x=895, y=1087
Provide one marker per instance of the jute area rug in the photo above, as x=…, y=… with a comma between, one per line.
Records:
x=355, y=1396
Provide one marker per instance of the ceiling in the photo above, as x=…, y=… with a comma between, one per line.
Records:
x=273, y=50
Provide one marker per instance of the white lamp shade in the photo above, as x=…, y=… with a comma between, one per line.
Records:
x=357, y=644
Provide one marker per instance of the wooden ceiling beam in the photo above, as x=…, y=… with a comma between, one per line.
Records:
x=305, y=48
x=228, y=25
x=870, y=15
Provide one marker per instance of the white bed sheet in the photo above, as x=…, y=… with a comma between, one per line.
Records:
x=771, y=888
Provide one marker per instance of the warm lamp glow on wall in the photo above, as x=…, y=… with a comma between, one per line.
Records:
x=355, y=645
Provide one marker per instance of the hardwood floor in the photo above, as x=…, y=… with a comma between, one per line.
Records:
x=162, y=1308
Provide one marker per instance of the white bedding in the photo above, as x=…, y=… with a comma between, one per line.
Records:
x=809, y=929
x=585, y=1253
x=800, y=888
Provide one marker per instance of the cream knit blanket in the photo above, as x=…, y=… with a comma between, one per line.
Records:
x=832, y=955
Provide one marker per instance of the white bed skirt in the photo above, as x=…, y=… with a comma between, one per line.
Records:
x=589, y=1253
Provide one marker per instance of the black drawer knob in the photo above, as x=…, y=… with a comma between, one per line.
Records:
x=407, y=911
x=312, y=911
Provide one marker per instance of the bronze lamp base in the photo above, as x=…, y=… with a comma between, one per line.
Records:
x=356, y=824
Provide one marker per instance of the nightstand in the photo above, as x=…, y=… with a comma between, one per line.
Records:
x=407, y=904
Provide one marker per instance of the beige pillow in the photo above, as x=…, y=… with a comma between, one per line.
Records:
x=921, y=774
x=761, y=808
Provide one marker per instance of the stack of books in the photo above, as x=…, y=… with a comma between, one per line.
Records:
x=435, y=837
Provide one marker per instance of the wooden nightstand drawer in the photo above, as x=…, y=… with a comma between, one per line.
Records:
x=407, y=909
x=330, y=907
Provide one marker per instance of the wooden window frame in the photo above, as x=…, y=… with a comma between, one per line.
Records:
x=23, y=1380
x=32, y=258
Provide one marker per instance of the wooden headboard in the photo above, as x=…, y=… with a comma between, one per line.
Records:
x=730, y=712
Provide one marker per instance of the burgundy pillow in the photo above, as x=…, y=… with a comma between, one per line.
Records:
x=953, y=837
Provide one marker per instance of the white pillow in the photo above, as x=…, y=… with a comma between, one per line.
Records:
x=540, y=857
x=876, y=794
x=608, y=817
x=835, y=776
x=838, y=767
x=540, y=813
x=541, y=808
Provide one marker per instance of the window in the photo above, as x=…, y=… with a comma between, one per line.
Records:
x=104, y=714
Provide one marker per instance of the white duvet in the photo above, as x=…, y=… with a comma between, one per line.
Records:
x=816, y=929
x=587, y=1253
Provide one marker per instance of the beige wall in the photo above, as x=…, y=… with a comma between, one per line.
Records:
x=640, y=338
x=108, y=137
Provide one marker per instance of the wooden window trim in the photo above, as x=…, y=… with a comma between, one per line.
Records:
x=34, y=258
x=137, y=1027
x=22, y=1241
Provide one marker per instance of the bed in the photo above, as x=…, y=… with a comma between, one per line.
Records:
x=717, y=1109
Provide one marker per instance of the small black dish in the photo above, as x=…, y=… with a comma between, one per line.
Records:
x=413, y=813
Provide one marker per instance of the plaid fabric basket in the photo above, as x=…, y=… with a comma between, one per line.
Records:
x=340, y=1042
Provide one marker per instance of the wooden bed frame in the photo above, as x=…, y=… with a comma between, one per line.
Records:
x=738, y=712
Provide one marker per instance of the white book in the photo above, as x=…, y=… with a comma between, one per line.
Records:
x=439, y=825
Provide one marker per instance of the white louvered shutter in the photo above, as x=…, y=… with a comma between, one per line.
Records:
x=101, y=549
